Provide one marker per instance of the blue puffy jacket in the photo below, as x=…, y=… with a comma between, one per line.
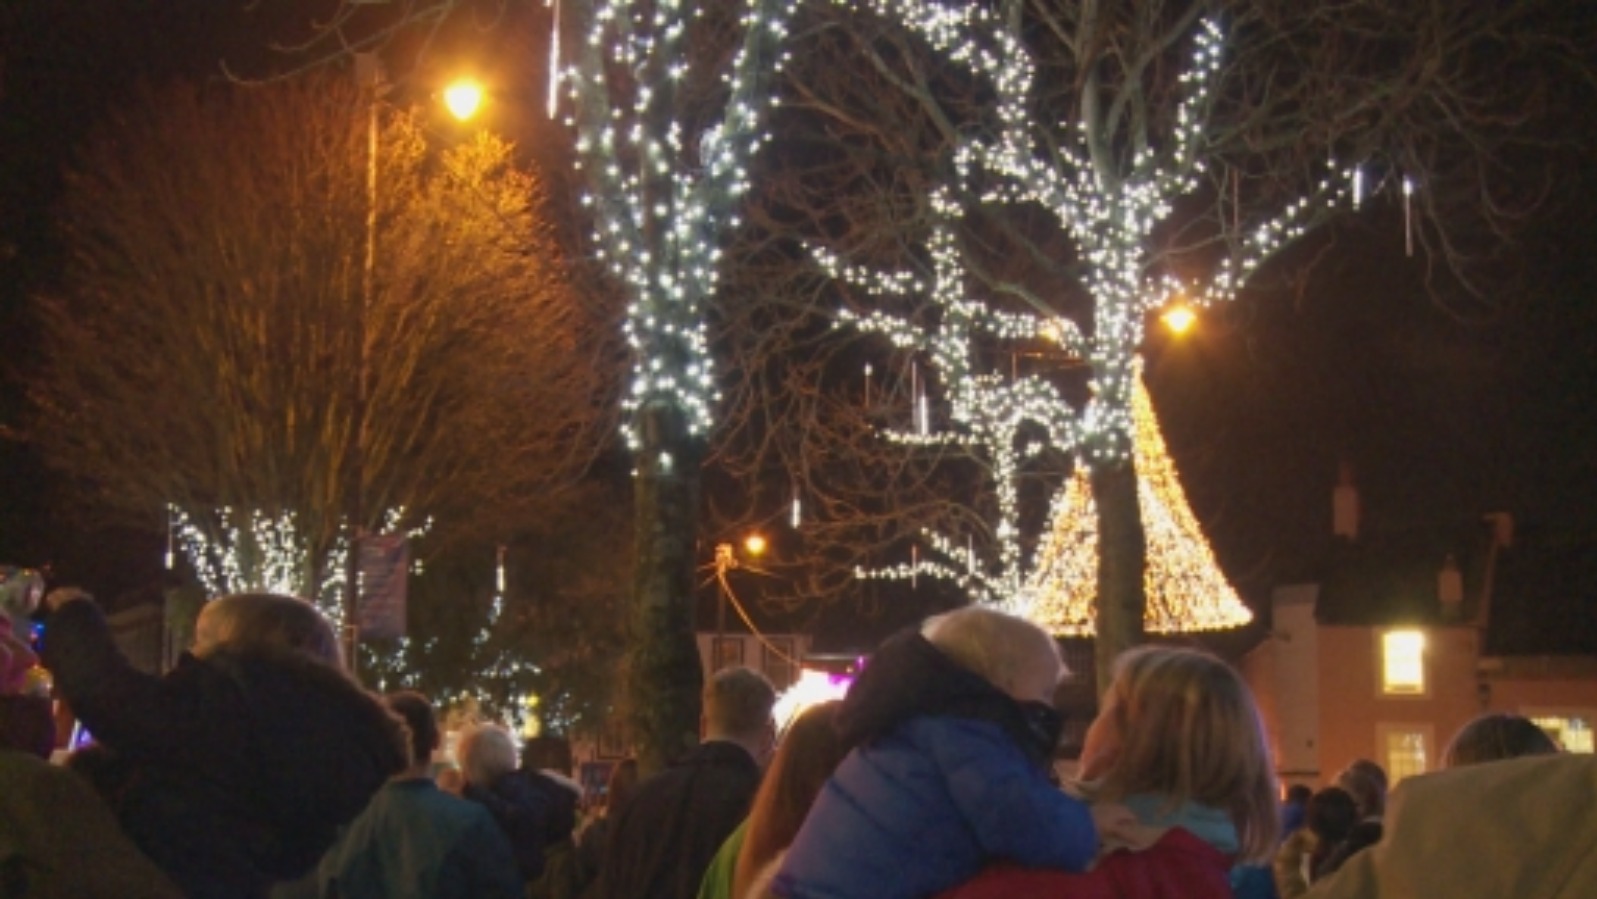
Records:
x=922, y=808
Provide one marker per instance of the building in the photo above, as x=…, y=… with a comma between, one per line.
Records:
x=1410, y=635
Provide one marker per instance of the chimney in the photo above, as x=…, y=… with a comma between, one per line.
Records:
x=1345, y=505
x=1450, y=589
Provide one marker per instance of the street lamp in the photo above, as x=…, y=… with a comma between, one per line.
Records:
x=1179, y=318
x=463, y=98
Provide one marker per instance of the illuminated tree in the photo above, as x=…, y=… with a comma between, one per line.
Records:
x=202, y=354
x=1175, y=149
x=668, y=99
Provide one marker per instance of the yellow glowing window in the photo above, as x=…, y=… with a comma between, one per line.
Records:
x=1403, y=663
x=1572, y=732
x=1405, y=749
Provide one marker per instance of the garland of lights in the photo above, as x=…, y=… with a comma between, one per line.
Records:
x=1185, y=588
x=661, y=199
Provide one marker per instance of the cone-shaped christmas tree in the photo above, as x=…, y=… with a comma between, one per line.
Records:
x=1185, y=588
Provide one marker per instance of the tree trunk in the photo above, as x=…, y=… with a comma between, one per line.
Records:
x=1122, y=559
x=664, y=677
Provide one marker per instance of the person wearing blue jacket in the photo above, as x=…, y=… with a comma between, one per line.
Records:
x=953, y=729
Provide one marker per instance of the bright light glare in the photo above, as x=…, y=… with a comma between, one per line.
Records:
x=1179, y=319
x=755, y=544
x=463, y=98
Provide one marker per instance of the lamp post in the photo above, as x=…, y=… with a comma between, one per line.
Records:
x=463, y=99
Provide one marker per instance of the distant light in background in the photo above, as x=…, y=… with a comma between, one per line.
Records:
x=463, y=98
x=812, y=687
x=1178, y=319
x=755, y=544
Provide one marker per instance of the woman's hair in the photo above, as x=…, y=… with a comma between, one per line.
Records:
x=1189, y=730
x=1330, y=815
x=266, y=621
x=808, y=753
x=1000, y=648
x=1492, y=737
x=485, y=752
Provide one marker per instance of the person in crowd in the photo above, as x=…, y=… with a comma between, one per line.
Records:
x=806, y=755
x=237, y=768
x=1496, y=736
x=1178, y=740
x=1366, y=782
x=415, y=841
x=666, y=836
x=1329, y=817
x=1295, y=808
x=1519, y=827
x=487, y=757
x=51, y=822
x=546, y=766
x=953, y=732
x=591, y=839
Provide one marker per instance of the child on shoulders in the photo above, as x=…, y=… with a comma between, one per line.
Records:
x=953, y=730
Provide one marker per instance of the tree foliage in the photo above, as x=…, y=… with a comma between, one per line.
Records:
x=203, y=352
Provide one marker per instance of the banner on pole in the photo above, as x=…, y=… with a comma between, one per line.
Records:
x=384, y=566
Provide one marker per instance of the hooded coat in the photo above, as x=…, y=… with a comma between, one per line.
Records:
x=947, y=773
x=233, y=771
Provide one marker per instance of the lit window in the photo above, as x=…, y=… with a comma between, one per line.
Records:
x=1405, y=749
x=1403, y=663
x=1571, y=731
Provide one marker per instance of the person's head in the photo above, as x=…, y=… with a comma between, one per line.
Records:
x=737, y=708
x=485, y=752
x=547, y=753
x=1331, y=814
x=1493, y=737
x=1366, y=782
x=1010, y=653
x=808, y=752
x=417, y=713
x=1298, y=794
x=265, y=621
x=619, y=788
x=1181, y=723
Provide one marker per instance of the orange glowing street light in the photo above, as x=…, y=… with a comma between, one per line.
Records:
x=755, y=544
x=1179, y=318
x=464, y=98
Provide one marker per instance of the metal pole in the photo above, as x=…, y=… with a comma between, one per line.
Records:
x=358, y=407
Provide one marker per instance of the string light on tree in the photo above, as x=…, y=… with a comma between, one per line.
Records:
x=663, y=198
x=1185, y=588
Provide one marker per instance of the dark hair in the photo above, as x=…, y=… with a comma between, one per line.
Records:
x=1493, y=737
x=1331, y=815
x=1298, y=793
x=547, y=752
x=1366, y=782
x=806, y=757
x=737, y=702
x=417, y=713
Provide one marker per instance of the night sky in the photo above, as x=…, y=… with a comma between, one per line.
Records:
x=1442, y=415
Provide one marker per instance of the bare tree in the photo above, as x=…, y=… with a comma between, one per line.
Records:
x=1112, y=158
x=204, y=351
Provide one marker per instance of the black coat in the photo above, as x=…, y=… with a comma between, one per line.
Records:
x=668, y=834
x=233, y=771
x=533, y=810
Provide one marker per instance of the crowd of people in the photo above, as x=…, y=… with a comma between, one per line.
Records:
x=257, y=768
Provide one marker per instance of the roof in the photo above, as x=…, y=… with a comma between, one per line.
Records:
x=1543, y=585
